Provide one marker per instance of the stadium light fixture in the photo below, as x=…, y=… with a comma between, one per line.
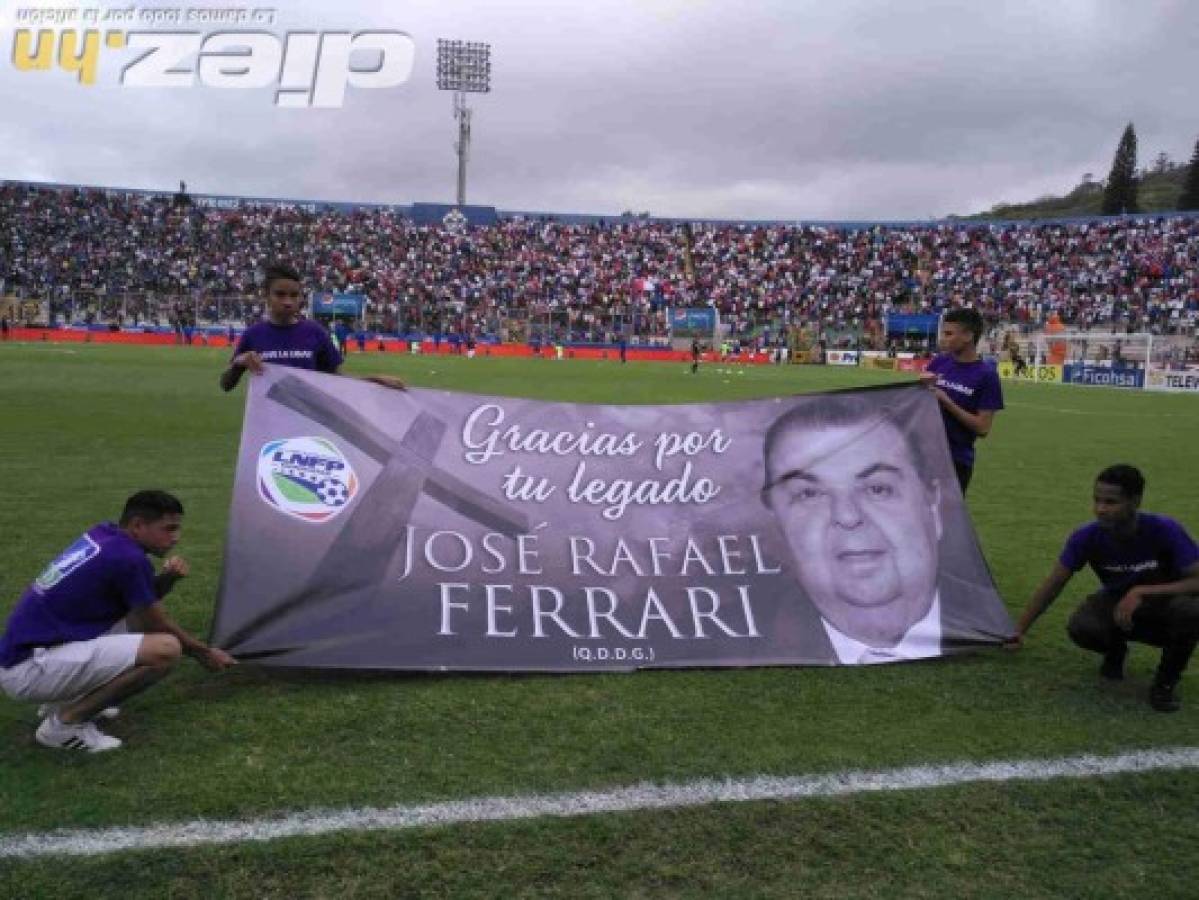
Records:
x=463, y=67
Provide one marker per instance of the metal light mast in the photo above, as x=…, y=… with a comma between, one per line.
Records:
x=463, y=67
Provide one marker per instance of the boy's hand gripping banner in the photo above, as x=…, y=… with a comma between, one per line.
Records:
x=373, y=528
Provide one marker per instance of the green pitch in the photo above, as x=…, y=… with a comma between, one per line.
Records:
x=82, y=427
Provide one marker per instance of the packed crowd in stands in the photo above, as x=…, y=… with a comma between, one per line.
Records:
x=144, y=258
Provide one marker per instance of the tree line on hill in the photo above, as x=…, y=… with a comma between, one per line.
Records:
x=1164, y=187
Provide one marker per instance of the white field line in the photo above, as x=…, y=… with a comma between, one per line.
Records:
x=94, y=842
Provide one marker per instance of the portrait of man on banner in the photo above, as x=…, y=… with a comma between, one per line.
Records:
x=859, y=503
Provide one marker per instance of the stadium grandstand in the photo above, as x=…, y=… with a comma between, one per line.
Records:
x=98, y=257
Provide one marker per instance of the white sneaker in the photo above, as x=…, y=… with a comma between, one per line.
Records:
x=108, y=713
x=84, y=736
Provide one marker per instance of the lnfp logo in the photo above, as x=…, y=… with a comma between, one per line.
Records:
x=307, y=478
x=68, y=561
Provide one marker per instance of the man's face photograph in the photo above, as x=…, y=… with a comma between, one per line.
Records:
x=862, y=525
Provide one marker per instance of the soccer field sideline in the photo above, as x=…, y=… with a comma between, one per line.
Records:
x=637, y=798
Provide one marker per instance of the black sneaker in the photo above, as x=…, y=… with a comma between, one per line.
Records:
x=1163, y=696
x=1112, y=667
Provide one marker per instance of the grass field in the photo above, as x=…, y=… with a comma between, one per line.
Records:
x=82, y=427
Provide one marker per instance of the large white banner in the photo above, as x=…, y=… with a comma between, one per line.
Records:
x=434, y=530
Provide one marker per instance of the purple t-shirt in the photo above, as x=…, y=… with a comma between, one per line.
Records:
x=301, y=345
x=1157, y=552
x=87, y=589
x=974, y=386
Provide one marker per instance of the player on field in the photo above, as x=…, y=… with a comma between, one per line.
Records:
x=63, y=647
x=1148, y=566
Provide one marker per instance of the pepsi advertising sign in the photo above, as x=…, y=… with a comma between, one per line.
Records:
x=688, y=322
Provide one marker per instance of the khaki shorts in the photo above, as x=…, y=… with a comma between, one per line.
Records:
x=68, y=671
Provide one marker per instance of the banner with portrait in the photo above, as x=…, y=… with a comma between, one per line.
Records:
x=424, y=529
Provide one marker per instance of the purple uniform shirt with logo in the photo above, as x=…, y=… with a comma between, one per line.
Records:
x=302, y=345
x=91, y=586
x=973, y=386
x=1157, y=552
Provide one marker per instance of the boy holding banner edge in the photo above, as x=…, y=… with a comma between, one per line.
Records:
x=284, y=338
x=62, y=646
x=1148, y=566
x=966, y=386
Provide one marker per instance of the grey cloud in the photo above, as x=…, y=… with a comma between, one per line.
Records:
x=748, y=110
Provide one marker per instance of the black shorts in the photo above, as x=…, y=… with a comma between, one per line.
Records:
x=964, y=472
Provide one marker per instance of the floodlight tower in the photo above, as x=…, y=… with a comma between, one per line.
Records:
x=463, y=67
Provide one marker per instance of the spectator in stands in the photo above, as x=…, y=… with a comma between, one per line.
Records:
x=107, y=249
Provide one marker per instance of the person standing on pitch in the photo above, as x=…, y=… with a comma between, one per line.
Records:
x=60, y=647
x=1148, y=566
x=286, y=339
x=966, y=386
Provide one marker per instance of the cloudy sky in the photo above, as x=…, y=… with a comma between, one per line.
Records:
x=860, y=109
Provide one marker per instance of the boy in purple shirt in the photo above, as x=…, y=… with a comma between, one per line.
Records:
x=1148, y=567
x=59, y=647
x=967, y=387
x=285, y=339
